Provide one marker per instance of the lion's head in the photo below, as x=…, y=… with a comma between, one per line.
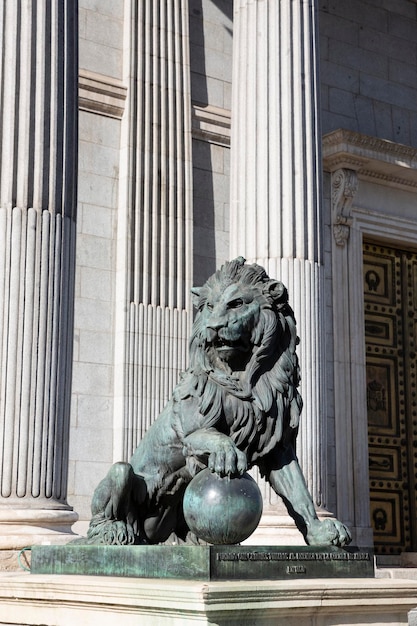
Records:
x=243, y=359
x=238, y=311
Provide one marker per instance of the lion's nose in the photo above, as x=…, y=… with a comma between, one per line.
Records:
x=214, y=324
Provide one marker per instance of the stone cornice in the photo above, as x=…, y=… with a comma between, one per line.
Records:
x=106, y=96
x=371, y=158
x=100, y=94
x=211, y=123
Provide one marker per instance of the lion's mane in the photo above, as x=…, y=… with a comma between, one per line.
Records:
x=263, y=399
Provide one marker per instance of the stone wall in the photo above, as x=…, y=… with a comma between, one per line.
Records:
x=211, y=78
x=369, y=68
x=101, y=104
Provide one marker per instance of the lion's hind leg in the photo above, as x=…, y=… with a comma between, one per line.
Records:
x=115, y=507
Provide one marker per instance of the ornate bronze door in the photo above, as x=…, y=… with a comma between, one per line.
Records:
x=390, y=284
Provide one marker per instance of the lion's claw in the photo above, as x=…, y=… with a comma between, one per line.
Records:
x=329, y=532
x=227, y=460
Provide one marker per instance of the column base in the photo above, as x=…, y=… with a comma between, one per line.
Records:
x=21, y=528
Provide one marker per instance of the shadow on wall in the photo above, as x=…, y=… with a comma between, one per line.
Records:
x=204, y=231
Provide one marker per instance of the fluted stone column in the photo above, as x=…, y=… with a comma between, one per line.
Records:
x=276, y=184
x=38, y=182
x=155, y=220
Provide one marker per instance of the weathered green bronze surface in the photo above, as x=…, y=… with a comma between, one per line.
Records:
x=235, y=407
x=222, y=510
x=204, y=562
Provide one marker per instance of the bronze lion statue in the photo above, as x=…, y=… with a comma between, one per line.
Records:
x=236, y=406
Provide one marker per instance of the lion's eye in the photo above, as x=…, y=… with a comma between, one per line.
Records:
x=209, y=306
x=235, y=304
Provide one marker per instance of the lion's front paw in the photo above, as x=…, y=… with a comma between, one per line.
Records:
x=227, y=459
x=329, y=532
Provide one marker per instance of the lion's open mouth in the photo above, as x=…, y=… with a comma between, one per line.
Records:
x=227, y=345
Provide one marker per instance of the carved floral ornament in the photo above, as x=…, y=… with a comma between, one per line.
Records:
x=344, y=188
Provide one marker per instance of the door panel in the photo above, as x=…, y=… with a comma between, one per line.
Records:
x=390, y=291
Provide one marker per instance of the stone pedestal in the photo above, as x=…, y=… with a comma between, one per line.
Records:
x=211, y=562
x=38, y=183
x=91, y=600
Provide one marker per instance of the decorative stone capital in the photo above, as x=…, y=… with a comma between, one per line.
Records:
x=343, y=190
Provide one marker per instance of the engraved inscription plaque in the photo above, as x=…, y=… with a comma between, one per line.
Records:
x=274, y=562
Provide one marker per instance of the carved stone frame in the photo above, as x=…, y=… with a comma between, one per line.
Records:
x=361, y=167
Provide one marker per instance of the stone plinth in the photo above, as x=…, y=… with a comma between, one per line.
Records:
x=21, y=528
x=205, y=562
x=91, y=600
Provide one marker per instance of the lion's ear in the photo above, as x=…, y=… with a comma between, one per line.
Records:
x=276, y=290
x=196, y=293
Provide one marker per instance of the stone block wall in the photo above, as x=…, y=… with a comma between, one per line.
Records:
x=211, y=80
x=211, y=29
x=91, y=436
x=369, y=68
x=101, y=36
